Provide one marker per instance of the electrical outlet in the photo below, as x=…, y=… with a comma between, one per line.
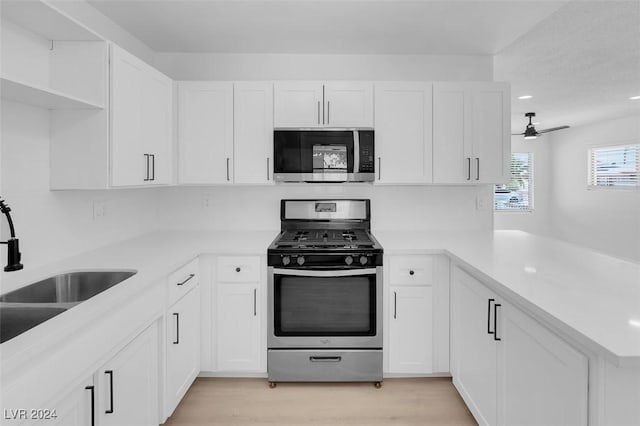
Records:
x=99, y=209
x=482, y=203
x=207, y=201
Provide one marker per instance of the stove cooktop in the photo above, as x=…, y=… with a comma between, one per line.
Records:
x=325, y=238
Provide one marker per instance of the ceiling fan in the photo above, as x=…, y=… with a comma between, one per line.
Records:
x=531, y=133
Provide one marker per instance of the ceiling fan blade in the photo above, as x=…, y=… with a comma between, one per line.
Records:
x=517, y=134
x=553, y=129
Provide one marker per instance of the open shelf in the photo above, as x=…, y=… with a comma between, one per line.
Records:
x=51, y=99
x=45, y=20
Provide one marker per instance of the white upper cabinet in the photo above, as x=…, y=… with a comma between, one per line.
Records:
x=316, y=105
x=348, y=104
x=205, y=132
x=253, y=132
x=403, y=132
x=471, y=125
x=298, y=104
x=141, y=106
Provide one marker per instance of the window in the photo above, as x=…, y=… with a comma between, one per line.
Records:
x=517, y=195
x=614, y=166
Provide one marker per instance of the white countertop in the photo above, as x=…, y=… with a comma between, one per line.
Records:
x=591, y=296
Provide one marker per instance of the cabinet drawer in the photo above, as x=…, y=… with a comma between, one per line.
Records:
x=239, y=269
x=181, y=281
x=411, y=270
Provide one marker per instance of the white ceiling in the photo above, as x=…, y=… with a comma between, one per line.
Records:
x=579, y=59
x=321, y=26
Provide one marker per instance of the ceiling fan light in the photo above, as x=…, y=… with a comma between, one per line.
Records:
x=530, y=136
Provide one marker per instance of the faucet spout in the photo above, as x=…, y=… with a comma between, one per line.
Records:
x=13, y=247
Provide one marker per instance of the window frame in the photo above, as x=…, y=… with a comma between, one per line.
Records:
x=590, y=175
x=531, y=183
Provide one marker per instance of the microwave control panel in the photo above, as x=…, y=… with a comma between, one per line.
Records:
x=367, y=154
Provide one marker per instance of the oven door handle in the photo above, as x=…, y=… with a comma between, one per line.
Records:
x=332, y=273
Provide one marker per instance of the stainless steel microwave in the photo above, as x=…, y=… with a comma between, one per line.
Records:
x=323, y=156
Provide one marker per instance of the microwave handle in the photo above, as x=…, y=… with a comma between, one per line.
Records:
x=331, y=273
x=356, y=151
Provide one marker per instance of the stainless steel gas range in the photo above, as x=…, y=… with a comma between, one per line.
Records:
x=325, y=294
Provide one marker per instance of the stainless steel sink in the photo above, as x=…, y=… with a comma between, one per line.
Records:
x=26, y=307
x=69, y=287
x=15, y=320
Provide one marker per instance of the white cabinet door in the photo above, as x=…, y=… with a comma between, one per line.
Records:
x=403, y=132
x=451, y=134
x=128, y=162
x=127, y=385
x=410, y=329
x=298, y=104
x=141, y=105
x=348, y=104
x=474, y=350
x=471, y=141
x=183, y=347
x=74, y=409
x=490, y=129
x=238, y=327
x=205, y=132
x=157, y=101
x=253, y=132
x=542, y=380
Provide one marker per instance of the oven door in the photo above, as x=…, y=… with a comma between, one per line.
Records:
x=325, y=308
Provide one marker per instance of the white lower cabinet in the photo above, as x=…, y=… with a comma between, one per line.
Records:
x=417, y=333
x=74, y=409
x=127, y=386
x=182, y=347
x=410, y=329
x=240, y=316
x=510, y=369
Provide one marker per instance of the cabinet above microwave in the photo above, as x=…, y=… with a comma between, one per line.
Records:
x=323, y=105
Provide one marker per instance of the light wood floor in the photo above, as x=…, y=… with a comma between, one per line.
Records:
x=222, y=401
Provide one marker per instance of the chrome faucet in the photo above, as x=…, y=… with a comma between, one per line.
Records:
x=13, y=251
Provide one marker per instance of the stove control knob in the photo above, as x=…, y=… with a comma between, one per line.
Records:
x=300, y=260
x=348, y=260
x=363, y=260
x=286, y=260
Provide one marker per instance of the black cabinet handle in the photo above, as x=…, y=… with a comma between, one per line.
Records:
x=395, y=305
x=255, y=299
x=110, y=373
x=489, y=317
x=477, y=168
x=93, y=404
x=379, y=168
x=188, y=278
x=268, y=177
x=153, y=166
x=495, y=321
x=177, y=341
x=228, y=169
x=468, y=168
x=146, y=179
x=238, y=269
x=325, y=358
x=411, y=272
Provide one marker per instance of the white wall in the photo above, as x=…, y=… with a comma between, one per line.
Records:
x=448, y=208
x=606, y=220
x=195, y=66
x=55, y=225
x=537, y=221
